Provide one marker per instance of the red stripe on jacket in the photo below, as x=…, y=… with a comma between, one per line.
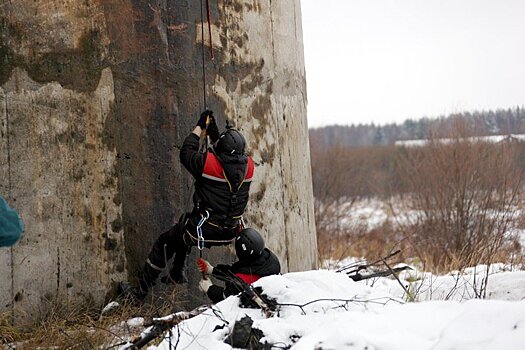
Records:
x=249, y=279
x=213, y=169
x=251, y=167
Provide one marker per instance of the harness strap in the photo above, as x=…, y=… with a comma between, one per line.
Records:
x=243, y=225
x=196, y=239
x=233, y=191
x=223, y=221
x=155, y=267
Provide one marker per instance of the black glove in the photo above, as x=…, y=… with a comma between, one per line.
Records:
x=204, y=117
x=213, y=131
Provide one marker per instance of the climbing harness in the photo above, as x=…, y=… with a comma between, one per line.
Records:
x=222, y=222
x=201, y=241
x=220, y=241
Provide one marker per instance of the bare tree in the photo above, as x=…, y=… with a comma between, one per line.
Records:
x=462, y=200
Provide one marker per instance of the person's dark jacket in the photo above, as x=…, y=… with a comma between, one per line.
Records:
x=249, y=271
x=222, y=181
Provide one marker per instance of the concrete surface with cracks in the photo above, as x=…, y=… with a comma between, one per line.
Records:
x=96, y=97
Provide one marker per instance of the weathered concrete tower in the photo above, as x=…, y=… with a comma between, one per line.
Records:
x=96, y=97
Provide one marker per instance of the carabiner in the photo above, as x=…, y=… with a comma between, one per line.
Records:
x=200, y=237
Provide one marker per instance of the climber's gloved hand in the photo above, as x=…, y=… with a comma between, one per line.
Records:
x=213, y=131
x=205, y=284
x=204, y=266
x=204, y=117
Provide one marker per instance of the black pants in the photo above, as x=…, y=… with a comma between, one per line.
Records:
x=177, y=241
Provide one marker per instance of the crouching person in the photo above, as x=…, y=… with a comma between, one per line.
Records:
x=255, y=261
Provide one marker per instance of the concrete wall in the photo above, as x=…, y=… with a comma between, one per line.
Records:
x=96, y=98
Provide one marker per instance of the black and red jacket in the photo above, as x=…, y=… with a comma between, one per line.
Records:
x=222, y=181
x=249, y=271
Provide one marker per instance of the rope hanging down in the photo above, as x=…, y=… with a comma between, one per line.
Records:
x=208, y=17
x=203, y=142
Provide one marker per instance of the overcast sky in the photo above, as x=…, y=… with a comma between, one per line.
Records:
x=385, y=61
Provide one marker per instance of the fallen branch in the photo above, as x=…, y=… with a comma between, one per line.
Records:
x=356, y=267
x=161, y=325
x=397, y=278
x=358, y=277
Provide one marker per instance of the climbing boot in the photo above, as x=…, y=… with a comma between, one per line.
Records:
x=149, y=274
x=147, y=278
x=134, y=295
x=178, y=272
x=177, y=276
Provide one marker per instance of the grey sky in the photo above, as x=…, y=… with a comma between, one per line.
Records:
x=388, y=60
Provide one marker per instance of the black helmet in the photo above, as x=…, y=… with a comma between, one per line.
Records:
x=249, y=244
x=231, y=141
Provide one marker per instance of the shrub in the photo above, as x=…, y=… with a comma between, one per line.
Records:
x=463, y=196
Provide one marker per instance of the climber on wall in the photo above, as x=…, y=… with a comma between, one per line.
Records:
x=255, y=261
x=222, y=182
x=11, y=226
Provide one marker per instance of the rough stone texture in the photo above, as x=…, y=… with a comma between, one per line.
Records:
x=62, y=180
x=96, y=97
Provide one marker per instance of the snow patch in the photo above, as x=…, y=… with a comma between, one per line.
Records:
x=327, y=310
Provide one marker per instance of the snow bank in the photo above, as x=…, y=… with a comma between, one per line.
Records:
x=418, y=326
x=501, y=282
x=327, y=310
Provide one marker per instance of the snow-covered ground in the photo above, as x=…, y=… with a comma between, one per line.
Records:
x=371, y=213
x=481, y=308
x=324, y=309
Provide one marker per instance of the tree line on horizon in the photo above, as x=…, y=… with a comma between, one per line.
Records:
x=480, y=123
x=451, y=204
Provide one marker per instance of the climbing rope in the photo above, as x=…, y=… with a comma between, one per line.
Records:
x=203, y=59
x=203, y=142
x=208, y=16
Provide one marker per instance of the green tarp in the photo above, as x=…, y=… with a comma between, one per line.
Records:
x=11, y=226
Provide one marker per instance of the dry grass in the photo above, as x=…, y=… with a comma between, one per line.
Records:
x=80, y=327
x=380, y=242
x=370, y=245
